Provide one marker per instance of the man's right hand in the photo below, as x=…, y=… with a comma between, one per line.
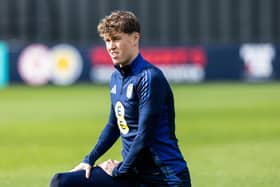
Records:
x=83, y=166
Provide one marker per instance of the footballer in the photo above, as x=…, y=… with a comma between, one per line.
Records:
x=142, y=115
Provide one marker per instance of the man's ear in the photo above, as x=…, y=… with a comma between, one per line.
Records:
x=136, y=38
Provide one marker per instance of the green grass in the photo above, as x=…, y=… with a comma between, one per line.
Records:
x=229, y=133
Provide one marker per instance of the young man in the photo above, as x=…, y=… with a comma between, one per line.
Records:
x=142, y=114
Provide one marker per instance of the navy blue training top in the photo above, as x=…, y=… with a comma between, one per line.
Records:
x=142, y=114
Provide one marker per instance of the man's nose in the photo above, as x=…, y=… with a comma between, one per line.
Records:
x=111, y=45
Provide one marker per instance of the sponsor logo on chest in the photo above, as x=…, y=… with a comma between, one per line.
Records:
x=120, y=115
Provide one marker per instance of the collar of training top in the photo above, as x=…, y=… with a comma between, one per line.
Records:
x=134, y=67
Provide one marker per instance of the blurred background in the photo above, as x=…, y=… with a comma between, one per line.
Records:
x=164, y=22
x=211, y=40
x=220, y=56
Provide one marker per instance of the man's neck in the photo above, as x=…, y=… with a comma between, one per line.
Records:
x=130, y=61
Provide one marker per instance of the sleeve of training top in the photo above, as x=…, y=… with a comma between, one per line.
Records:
x=151, y=94
x=108, y=137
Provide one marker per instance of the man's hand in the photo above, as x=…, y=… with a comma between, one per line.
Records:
x=109, y=165
x=83, y=166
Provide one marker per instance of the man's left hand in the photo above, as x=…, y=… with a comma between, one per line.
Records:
x=109, y=165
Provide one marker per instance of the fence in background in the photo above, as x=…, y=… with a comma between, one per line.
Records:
x=164, y=22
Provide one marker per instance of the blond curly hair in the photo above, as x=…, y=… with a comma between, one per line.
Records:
x=117, y=22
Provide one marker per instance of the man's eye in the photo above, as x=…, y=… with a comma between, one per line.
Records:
x=116, y=38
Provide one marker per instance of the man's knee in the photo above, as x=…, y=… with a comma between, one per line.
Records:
x=58, y=181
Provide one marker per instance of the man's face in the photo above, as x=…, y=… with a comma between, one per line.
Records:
x=122, y=47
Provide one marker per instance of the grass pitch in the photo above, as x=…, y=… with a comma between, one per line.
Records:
x=229, y=133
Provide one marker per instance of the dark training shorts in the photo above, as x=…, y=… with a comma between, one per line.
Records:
x=100, y=178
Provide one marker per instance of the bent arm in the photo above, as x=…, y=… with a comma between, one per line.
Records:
x=108, y=137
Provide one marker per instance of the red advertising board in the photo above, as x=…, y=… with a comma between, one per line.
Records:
x=179, y=64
